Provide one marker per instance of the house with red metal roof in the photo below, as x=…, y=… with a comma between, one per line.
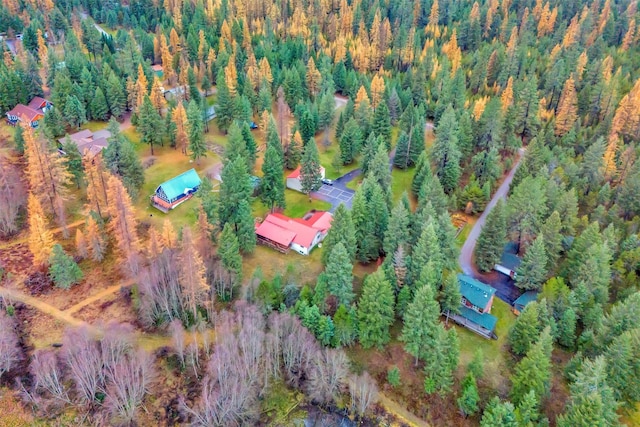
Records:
x=300, y=234
x=294, y=180
x=32, y=113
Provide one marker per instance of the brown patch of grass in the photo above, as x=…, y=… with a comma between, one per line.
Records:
x=13, y=413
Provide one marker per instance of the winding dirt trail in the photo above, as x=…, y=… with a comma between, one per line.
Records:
x=97, y=297
x=17, y=296
x=394, y=408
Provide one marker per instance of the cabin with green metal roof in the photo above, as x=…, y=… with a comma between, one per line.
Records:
x=177, y=190
x=509, y=261
x=521, y=302
x=475, y=307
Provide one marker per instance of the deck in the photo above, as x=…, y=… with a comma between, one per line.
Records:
x=474, y=327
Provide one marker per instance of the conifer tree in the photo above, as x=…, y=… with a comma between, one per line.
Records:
x=338, y=273
x=73, y=161
x=225, y=110
x=533, y=269
x=149, y=124
x=157, y=97
x=499, y=414
x=445, y=151
x=123, y=224
x=493, y=237
x=272, y=184
x=450, y=296
x=235, y=193
x=250, y=144
x=421, y=323
x=122, y=160
x=116, y=98
x=99, y=106
x=469, y=398
x=422, y=173
x=375, y=311
x=527, y=105
x=95, y=241
x=18, y=139
x=534, y=371
x=63, y=269
x=441, y=362
x=310, y=174
x=74, y=112
x=426, y=251
x=398, y=231
x=197, y=146
x=293, y=155
x=382, y=122
x=40, y=240
x=341, y=231
x=350, y=140
x=229, y=253
x=526, y=329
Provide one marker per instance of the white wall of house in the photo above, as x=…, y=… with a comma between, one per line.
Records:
x=294, y=184
x=504, y=270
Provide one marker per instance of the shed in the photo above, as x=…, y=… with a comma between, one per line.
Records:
x=294, y=181
x=509, y=261
x=172, y=193
x=522, y=301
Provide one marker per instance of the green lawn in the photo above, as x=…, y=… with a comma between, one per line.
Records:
x=326, y=160
x=401, y=182
x=493, y=350
x=95, y=125
x=297, y=204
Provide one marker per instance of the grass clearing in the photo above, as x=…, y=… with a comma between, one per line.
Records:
x=493, y=351
x=401, y=182
x=168, y=164
x=297, y=204
x=95, y=125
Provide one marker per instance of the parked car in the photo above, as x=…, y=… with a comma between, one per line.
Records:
x=253, y=126
x=327, y=181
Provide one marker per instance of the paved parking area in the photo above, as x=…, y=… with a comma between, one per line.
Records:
x=334, y=195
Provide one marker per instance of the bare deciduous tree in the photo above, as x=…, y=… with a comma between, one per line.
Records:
x=177, y=339
x=328, y=374
x=84, y=360
x=127, y=385
x=364, y=392
x=48, y=384
x=12, y=197
x=10, y=351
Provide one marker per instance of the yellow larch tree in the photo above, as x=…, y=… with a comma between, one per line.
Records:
x=362, y=97
x=604, y=16
x=123, y=224
x=581, y=64
x=40, y=239
x=377, y=90
x=231, y=77
x=96, y=177
x=167, y=61
x=47, y=175
x=453, y=51
x=211, y=59
x=95, y=240
x=192, y=272
x=313, y=77
x=629, y=35
x=157, y=48
x=567, y=111
x=81, y=244
x=253, y=72
x=609, y=167
x=179, y=117
x=572, y=33
x=434, y=16
x=512, y=44
x=43, y=52
x=202, y=45
x=265, y=70
x=507, y=95
x=626, y=120
x=174, y=42
x=478, y=107
x=142, y=87
x=177, y=17
x=169, y=236
x=154, y=244
x=157, y=96
x=204, y=232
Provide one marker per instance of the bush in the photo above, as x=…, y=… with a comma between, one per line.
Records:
x=393, y=376
x=38, y=283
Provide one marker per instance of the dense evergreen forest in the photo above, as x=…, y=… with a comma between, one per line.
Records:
x=419, y=110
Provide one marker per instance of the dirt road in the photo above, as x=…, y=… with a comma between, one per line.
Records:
x=466, y=253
